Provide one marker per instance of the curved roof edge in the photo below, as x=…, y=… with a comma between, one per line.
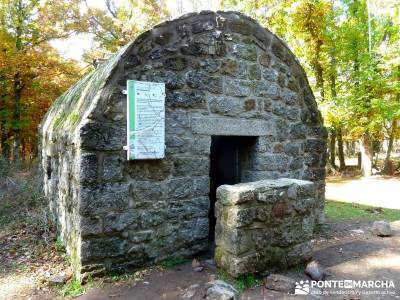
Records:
x=76, y=104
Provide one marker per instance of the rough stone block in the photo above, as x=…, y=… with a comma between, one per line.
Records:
x=201, y=80
x=211, y=65
x=187, y=209
x=103, y=198
x=186, y=99
x=224, y=106
x=265, y=59
x=86, y=168
x=142, y=236
x=234, y=240
x=234, y=194
x=237, y=87
x=103, y=136
x=270, y=74
x=157, y=169
x=218, y=290
x=119, y=221
x=179, y=188
x=202, y=26
x=271, y=162
x=200, y=230
x=236, y=217
x=191, y=166
x=112, y=168
x=147, y=191
x=201, y=186
x=280, y=283
x=177, y=63
x=98, y=248
x=313, y=145
x=253, y=72
x=171, y=79
x=299, y=253
x=234, y=68
x=246, y=52
x=176, y=122
x=201, y=144
x=240, y=26
x=151, y=218
x=267, y=89
x=90, y=226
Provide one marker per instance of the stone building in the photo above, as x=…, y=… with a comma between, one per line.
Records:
x=238, y=109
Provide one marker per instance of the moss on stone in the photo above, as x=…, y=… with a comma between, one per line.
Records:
x=74, y=104
x=74, y=117
x=218, y=256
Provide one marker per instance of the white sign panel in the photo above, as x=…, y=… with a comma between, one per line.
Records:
x=146, y=120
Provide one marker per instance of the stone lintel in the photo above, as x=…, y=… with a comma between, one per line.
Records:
x=228, y=126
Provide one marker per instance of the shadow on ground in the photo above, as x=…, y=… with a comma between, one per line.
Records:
x=344, y=253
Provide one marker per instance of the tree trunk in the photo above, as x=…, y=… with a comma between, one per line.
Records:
x=319, y=70
x=5, y=149
x=18, y=86
x=332, y=148
x=17, y=117
x=342, y=162
x=366, y=155
x=387, y=167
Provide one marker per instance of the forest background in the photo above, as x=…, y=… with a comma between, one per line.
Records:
x=350, y=50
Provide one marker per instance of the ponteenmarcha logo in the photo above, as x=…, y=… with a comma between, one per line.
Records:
x=354, y=284
x=309, y=287
x=302, y=288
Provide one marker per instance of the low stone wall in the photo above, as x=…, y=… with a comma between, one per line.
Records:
x=264, y=224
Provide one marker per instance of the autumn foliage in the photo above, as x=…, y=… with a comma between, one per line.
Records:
x=32, y=72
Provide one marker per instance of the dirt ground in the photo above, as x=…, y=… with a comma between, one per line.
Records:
x=346, y=249
x=376, y=190
x=344, y=253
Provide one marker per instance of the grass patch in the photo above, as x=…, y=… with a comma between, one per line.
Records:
x=242, y=283
x=72, y=289
x=172, y=262
x=246, y=282
x=337, y=211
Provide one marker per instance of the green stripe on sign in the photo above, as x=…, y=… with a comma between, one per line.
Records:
x=131, y=99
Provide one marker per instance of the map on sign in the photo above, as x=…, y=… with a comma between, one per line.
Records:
x=146, y=120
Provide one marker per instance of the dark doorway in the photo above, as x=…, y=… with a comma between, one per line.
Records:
x=230, y=157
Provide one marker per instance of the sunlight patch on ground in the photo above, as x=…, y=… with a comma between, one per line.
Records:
x=374, y=191
x=15, y=286
x=369, y=266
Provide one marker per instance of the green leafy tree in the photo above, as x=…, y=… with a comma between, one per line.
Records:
x=338, y=44
x=118, y=23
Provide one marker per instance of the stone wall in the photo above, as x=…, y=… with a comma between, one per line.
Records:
x=264, y=225
x=224, y=75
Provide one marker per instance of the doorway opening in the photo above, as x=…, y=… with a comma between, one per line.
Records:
x=229, y=160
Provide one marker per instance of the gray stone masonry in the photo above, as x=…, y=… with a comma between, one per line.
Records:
x=264, y=225
x=224, y=75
